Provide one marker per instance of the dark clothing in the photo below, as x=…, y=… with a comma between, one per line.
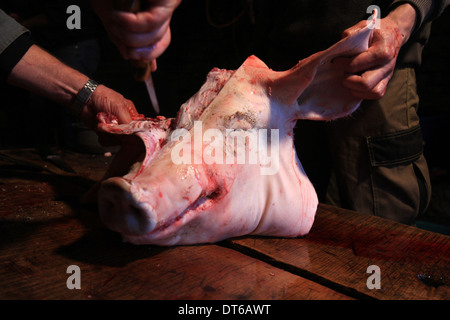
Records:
x=55, y=34
x=14, y=43
x=301, y=28
x=280, y=33
x=377, y=162
x=77, y=48
x=10, y=30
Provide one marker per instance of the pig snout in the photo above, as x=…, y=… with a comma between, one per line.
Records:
x=121, y=212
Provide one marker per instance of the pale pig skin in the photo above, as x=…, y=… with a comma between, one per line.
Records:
x=163, y=203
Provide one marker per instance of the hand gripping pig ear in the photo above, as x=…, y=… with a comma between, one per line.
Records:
x=317, y=84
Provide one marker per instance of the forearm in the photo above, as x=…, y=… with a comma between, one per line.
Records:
x=426, y=10
x=404, y=16
x=41, y=73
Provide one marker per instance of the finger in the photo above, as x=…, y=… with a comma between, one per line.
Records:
x=136, y=40
x=151, y=53
x=373, y=57
x=154, y=65
x=144, y=21
x=141, y=54
x=363, y=61
x=360, y=25
x=368, y=80
x=132, y=110
x=106, y=118
x=342, y=63
x=125, y=111
x=375, y=93
x=356, y=64
x=364, y=82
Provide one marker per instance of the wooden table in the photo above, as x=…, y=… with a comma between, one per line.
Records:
x=44, y=230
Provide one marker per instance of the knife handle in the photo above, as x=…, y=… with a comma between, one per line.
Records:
x=141, y=69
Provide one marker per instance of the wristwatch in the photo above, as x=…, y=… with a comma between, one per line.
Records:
x=83, y=97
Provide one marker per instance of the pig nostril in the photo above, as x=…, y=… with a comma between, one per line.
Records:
x=136, y=220
x=122, y=213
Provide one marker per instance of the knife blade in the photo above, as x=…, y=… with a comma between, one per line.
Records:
x=151, y=92
x=60, y=163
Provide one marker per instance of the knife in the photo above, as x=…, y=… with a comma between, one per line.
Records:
x=55, y=159
x=142, y=70
x=60, y=163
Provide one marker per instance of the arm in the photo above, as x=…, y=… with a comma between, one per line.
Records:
x=426, y=10
x=40, y=72
x=25, y=65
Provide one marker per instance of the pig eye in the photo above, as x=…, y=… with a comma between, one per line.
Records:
x=241, y=120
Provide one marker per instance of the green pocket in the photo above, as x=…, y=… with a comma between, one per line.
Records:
x=396, y=148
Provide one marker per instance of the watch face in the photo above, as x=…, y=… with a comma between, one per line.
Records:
x=91, y=85
x=87, y=91
x=83, y=97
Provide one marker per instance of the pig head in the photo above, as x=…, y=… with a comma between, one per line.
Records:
x=227, y=165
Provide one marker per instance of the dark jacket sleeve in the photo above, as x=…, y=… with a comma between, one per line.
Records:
x=14, y=43
x=427, y=10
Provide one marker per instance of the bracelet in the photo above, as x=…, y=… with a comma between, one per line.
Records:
x=83, y=97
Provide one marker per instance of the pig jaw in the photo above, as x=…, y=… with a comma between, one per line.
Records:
x=155, y=200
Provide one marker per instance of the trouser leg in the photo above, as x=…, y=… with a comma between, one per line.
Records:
x=377, y=162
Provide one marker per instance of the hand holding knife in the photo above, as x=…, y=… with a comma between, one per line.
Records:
x=142, y=70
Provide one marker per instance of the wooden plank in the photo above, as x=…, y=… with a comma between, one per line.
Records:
x=44, y=230
x=41, y=206
x=414, y=263
x=26, y=166
x=86, y=166
x=34, y=258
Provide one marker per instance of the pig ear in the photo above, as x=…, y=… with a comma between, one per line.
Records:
x=285, y=86
x=317, y=84
x=288, y=86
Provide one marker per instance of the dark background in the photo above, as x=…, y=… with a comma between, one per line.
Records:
x=207, y=34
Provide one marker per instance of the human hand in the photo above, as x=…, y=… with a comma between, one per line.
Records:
x=107, y=106
x=111, y=105
x=369, y=72
x=144, y=35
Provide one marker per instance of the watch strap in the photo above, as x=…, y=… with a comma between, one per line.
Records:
x=83, y=97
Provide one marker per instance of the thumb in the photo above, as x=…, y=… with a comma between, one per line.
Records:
x=360, y=25
x=124, y=110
